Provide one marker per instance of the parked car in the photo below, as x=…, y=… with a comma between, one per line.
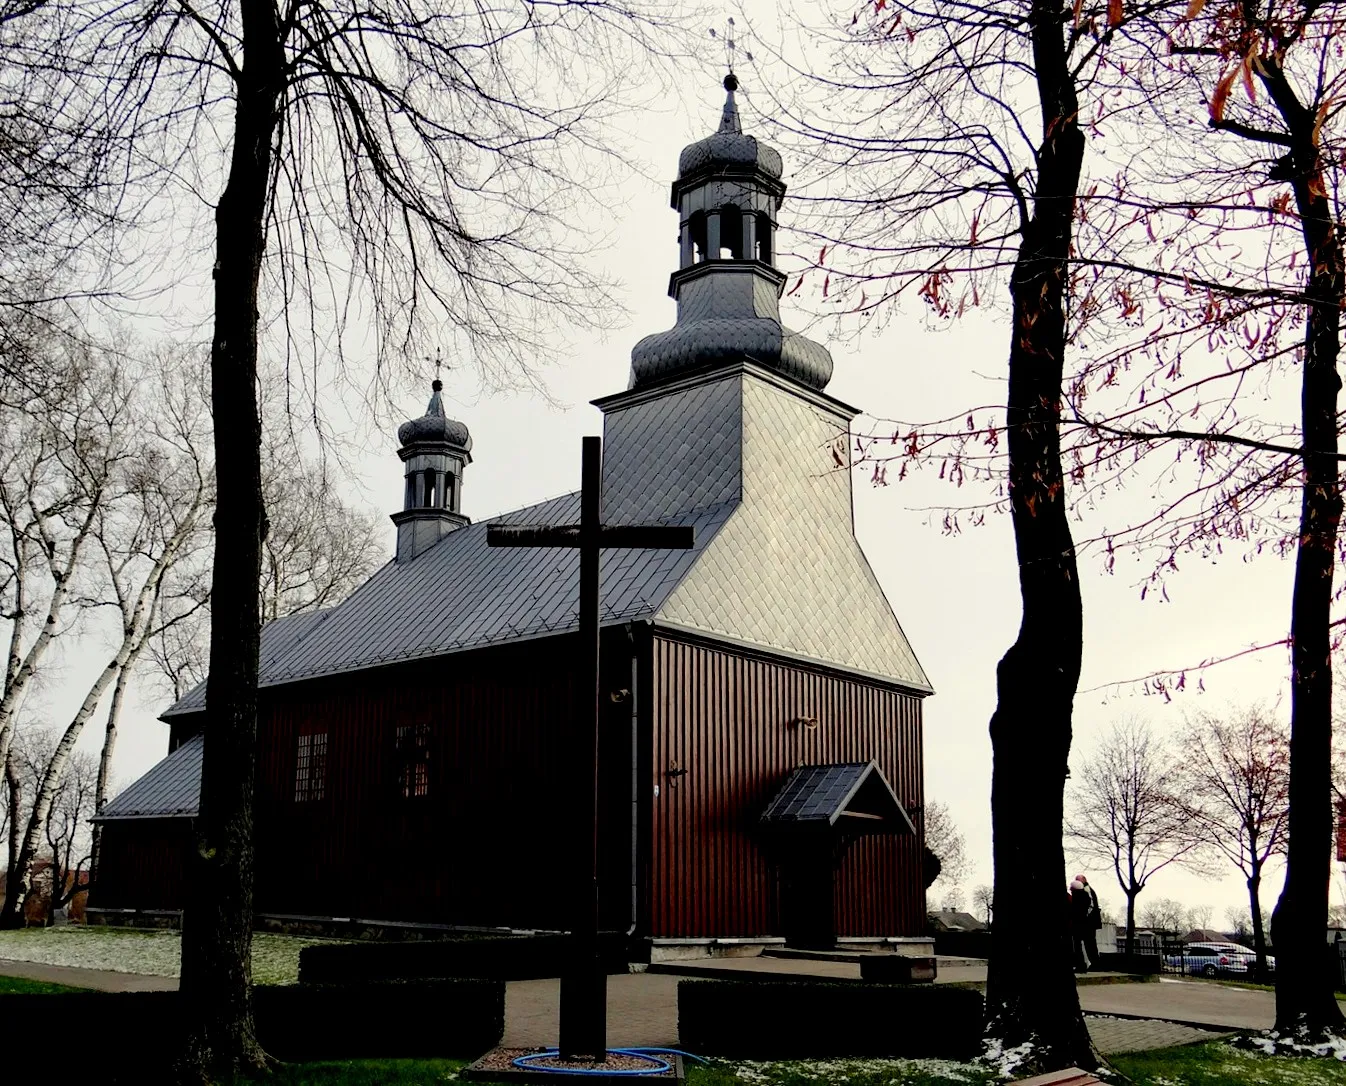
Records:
x=1215, y=959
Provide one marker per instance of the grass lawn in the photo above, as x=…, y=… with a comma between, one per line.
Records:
x=275, y=958
x=1220, y=1064
x=366, y=1073
x=22, y=986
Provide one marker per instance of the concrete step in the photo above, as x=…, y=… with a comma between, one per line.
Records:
x=855, y=957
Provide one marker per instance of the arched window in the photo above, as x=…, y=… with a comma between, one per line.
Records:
x=698, y=227
x=764, y=239
x=429, y=488
x=731, y=233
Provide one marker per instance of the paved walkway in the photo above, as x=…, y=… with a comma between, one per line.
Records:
x=101, y=980
x=1191, y=1002
x=643, y=1007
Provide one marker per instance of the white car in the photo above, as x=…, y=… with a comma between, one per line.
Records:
x=1216, y=959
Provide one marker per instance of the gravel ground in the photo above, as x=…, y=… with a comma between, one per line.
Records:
x=275, y=958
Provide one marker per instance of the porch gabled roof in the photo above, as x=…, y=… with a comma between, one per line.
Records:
x=853, y=795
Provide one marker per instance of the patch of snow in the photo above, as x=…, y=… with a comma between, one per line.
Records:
x=275, y=958
x=1005, y=1062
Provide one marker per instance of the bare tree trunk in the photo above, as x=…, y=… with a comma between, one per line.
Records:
x=20, y=880
x=15, y=800
x=1306, y=1007
x=1030, y=995
x=217, y=922
x=105, y=767
x=1255, y=908
x=1130, y=923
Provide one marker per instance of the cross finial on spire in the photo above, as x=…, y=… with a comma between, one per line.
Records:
x=728, y=38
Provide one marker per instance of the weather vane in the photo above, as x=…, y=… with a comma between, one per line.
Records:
x=727, y=37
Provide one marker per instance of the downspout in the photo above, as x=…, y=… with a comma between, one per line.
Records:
x=634, y=698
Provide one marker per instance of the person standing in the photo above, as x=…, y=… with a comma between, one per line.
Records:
x=1085, y=919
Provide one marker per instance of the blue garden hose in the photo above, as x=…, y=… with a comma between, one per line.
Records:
x=657, y=1065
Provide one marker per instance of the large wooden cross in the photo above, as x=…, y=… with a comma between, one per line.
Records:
x=584, y=982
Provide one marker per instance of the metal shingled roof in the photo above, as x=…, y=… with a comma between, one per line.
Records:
x=277, y=637
x=460, y=595
x=169, y=790
x=743, y=456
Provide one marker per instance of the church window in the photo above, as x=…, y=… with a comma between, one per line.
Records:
x=310, y=767
x=429, y=489
x=413, y=760
x=731, y=233
x=698, y=227
x=764, y=238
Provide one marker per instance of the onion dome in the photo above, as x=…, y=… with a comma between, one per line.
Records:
x=727, y=285
x=729, y=147
x=434, y=425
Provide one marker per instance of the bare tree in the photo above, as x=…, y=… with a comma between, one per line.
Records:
x=1198, y=917
x=60, y=453
x=65, y=855
x=1124, y=812
x=169, y=497
x=983, y=900
x=142, y=531
x=943, y=838
x=1235, y=789
x=1164, y=915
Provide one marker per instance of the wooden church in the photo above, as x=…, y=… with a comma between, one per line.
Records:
x=760, y=738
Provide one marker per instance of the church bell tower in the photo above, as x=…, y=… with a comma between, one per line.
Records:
x=727, y=285
x=435, y=450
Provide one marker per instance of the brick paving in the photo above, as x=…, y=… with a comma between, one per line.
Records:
x=1114, y=1035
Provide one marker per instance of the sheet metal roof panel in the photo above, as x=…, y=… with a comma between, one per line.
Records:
x=816, y=793
x=787, y=573
x=169, y=790
x=277, y=637
x=461, y=594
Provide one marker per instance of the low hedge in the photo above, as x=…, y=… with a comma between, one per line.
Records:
x=504, y=957
x=132, y=1035
x=1129, y=963
x=779, y=1020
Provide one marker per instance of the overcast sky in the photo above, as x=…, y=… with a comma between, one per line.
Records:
x=956, y=596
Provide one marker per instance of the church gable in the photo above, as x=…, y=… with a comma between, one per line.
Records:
x=786, y=572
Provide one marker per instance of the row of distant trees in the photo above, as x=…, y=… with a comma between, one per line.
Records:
x=106, y=540
x=1213, y=795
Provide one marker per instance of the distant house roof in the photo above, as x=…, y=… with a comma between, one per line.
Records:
x=1205, y=935
x=954, y=920
x=169, y=790
x=822, y=795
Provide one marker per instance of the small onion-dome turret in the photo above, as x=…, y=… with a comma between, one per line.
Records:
x=434, y=425
x=729, y=147
x=435, y=450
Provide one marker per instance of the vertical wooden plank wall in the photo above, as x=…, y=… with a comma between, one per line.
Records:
x=488, y=845
x=725, y=719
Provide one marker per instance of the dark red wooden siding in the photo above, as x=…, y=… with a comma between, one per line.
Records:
x=141, y=866
x=725, y=719
x=486, y=846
